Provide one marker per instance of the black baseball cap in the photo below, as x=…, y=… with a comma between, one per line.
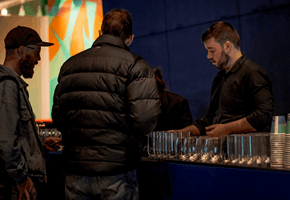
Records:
x=23, y=36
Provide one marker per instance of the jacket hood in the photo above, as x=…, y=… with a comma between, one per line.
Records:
x=7, y=71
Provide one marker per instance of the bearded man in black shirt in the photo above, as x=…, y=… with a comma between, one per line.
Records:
x=241, y=96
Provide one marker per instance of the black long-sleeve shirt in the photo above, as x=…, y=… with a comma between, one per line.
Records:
x=245, y=91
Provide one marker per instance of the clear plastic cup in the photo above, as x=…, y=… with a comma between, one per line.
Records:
x=193, y=157
x=159, y=152
x=164, y=146
x=201, y=148
x=182, y=146
x=231, y=150
x=171, y=143
x=214, y=149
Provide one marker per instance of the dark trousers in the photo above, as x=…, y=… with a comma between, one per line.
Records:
x=118, y=187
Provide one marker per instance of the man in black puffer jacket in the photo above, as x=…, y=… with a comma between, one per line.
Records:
x=105, y=101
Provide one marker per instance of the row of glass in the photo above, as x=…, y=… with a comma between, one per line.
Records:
x=237, y=149
x=47, y=132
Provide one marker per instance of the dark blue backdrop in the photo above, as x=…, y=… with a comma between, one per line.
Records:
x=167, y=35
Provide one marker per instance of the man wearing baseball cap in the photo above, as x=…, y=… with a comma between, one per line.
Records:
x=22, y=164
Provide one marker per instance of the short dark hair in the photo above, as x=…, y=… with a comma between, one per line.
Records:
x=117, y=22
x=222, y=32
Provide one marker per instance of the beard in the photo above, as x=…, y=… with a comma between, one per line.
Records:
x=223, y=61
x=26, y=69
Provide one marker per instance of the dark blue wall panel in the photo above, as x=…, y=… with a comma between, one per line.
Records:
x=188, y=13
x=254, y=6
x=167, y=34
x=153, y=49
x=280, y=3
x=189, y=77
x=148, y=16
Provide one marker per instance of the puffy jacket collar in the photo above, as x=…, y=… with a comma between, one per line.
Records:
x=104, y=40
x=7, y=71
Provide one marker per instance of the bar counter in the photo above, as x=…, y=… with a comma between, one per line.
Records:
x=177, y=180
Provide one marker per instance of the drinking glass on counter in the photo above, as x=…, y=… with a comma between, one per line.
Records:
x=265, y=149
x=151, y=145
x=201, y=148
x=182, y=146
x=164, y=145
x=244, y=151
x=193, y=155
x=229, y=149
x=159, y=145
x=236, y=150
x=171, y=144
x=214, y=145
x=251, y=149
x=260, y=149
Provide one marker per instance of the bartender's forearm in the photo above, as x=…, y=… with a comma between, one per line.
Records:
x=240, y=126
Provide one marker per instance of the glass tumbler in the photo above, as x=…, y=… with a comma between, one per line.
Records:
x=182, y=145
x=265, y=149
x=192, y=141
x=201, y=148
x=243, y=151
x=214, y=149
x=229, y=155
x=151, y=145
x=164, y=146
x=158, y=145
x=171, y=145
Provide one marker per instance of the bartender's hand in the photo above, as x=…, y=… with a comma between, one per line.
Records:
x=27, y=189
x=53, y=143
x=238, y=126
x=217, y=130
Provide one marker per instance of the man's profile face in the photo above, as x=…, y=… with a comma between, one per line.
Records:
x=29, y=61
x=216, y=54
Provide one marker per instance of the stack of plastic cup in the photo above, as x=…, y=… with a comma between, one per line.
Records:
x=287, y=144
x=277, y=141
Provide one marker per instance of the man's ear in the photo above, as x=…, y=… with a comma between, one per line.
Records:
x=227, y=46
x=100, y=33
x=21, y=51
x=129, y=40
